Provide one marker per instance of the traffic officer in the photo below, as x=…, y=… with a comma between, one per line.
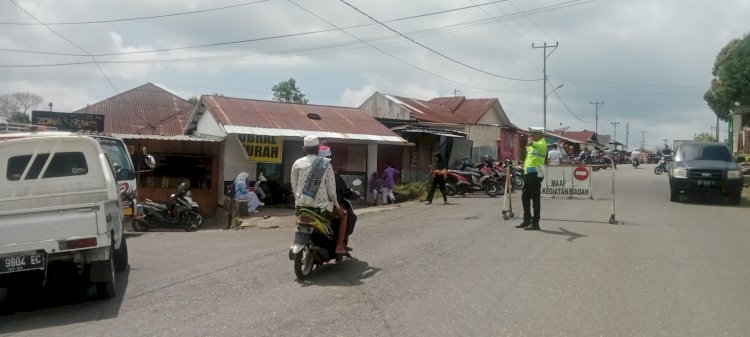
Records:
x=533, y=169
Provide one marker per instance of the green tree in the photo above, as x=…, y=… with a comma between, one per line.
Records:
x=731, y=82
x=15, y=107
x=287, y=91
x=193, y=100
x=704, y=137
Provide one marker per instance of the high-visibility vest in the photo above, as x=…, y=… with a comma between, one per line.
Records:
x=535, y=154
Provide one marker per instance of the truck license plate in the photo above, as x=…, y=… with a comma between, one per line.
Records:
x=705, y=183
x=11, y=264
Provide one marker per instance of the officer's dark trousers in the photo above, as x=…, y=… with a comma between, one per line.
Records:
x=532, y=191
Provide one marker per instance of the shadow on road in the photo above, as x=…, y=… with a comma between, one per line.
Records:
x=699, y=199
x=349, y=272
x=564, y=232
x=57, y=304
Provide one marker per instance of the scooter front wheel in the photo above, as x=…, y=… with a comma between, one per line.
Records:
x=140, y=225
x=659, y=170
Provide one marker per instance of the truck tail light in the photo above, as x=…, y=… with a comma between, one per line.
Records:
x=78, y=243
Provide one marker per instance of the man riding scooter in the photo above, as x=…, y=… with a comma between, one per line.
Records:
x=314, y=187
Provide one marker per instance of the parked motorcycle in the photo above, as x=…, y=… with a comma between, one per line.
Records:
x=276, y=193
x=517, y=179
x=635, y=162
x=179, y=211
x=315, y=237
x=471, y=180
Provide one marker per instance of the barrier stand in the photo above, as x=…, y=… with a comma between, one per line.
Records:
x=507, y=213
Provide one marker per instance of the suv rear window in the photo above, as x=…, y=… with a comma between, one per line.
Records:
x=63, y=164
x=703, y=152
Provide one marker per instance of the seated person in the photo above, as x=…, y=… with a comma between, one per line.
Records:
x=241, y=192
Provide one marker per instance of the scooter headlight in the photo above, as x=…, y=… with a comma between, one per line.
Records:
x=679, y=173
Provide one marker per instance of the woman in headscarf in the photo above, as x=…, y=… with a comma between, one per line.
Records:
x=241, y=192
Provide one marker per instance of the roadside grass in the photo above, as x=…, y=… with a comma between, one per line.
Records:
x=414, y=191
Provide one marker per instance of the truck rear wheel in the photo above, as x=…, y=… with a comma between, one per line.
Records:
x=121, y=255
x=108, y=287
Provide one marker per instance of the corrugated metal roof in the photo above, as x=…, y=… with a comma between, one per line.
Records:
x=472, y=109
x=147, y=109
x=427, y=111
x=176, y=137
x=248, y=116
x=580, y=136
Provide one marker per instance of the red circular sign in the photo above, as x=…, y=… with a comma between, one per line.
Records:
x=581, y=173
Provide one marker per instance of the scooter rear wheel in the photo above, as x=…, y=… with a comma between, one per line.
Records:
x=140, y=225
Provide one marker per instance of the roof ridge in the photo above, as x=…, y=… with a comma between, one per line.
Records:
x=286, y=103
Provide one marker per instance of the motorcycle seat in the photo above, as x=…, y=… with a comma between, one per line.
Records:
x=157, y=205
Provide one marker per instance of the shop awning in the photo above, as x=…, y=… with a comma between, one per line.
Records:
x=186, y=138
x=249, y=130
x=432, y=131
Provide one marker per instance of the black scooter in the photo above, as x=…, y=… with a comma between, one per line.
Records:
x=315, y=237
x=179, y=211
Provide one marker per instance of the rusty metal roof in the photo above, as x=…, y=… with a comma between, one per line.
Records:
x=472, y=109
x=147, y=109
x=428, y=111
x=249, y=116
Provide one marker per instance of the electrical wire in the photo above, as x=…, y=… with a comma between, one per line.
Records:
x=134, y=18
x=71, y=42
x=453, y=29
x=435, y=51
x=567, y=108
x=387, y=53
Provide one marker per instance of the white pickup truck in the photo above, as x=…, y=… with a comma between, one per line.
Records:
x=59, y=210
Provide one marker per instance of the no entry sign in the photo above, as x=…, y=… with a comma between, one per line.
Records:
x=581, y=173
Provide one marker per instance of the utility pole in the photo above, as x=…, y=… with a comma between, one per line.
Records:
x=544, y=71
x=665, y=143
x=717, y=128
x=455, y=92
x=643, y=139
x=615, y=124
x=596, y=127
x=627, y=135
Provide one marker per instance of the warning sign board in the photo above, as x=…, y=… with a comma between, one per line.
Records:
x=567, y=182
x=262, y=149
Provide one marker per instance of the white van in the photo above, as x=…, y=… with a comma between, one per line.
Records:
x=59, y=206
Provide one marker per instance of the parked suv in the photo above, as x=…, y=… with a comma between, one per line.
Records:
x=709, y=168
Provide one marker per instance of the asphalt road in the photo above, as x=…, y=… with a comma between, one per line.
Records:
x=665, y=269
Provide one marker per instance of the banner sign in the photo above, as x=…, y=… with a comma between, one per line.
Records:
x=567, y=182
x=262, y=149
x=68, y=121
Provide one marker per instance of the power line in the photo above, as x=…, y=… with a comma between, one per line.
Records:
x=384, y=52
x=569, y=110
x=274, y=37
x=457, y=28
x=134, y=18
x=633, y=84
x=71, y=42
x=435, y=51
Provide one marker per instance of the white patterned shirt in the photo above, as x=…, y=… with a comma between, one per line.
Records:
x=325, y=198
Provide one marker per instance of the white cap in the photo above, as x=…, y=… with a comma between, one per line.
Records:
x=311, y=141
x=536, y=129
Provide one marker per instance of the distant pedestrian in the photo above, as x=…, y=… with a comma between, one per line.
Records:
x=389, y=181
x=553, y=156
x=439, y=173
x=375, y=187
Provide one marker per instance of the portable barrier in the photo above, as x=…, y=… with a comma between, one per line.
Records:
x=565, y=181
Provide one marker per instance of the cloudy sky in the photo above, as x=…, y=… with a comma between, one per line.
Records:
x=649, y=61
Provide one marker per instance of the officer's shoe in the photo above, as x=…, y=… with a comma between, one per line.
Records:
x=523, y=224
x=532, y=227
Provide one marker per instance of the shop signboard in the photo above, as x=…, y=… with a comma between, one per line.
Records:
x=68, y=121
x=262, y=149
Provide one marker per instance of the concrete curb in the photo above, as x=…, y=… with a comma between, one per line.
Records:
x=269, y=222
